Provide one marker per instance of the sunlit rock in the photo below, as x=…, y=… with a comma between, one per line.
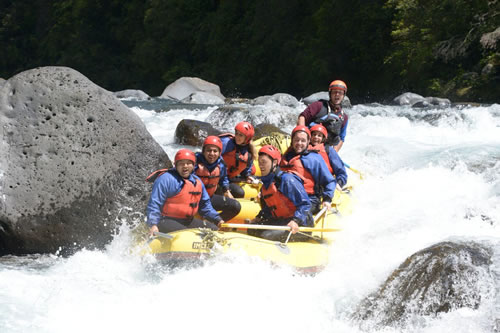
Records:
x=2, y=81
x=185, y=86
x=408, y=98
x=316, y=97
x=201, y=97
x=436, y=101
x=418, y=101
x=421, y=104
x=346, y=102
x=280, y=98
x=193, y=132
x=261, y=100
x=441, y=278
x=73, y=160
x=226, y=117
x=132, y=94
x=431, y=102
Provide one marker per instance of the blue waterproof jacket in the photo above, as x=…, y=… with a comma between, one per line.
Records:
x=323, y=179
x=337, y=165
x=223, y=180
x=170, y=184
x=292, y=187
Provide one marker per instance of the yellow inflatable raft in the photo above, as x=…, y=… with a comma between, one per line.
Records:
x=194, y=245
x=280, y=141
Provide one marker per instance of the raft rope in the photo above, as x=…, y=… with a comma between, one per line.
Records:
x=280, y=141
x=210, y=238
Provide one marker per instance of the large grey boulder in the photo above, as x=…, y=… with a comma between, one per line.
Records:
x=441, y=278
x=2, y=81
x=185, y=86
x=73, y=160
x=133, y=94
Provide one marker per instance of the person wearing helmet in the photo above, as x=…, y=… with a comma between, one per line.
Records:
x=318, y=181
x=319, y=134
x=330, y=114
x=283, y=198
x=210, y=168
x=238, y=153
x=177, y=195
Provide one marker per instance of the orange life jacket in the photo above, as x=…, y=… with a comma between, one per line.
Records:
x=279, y=205
x=295, y=164
x=320, y=149
x=184, y=205
x=235, y=161
x=209, y=179
x=152, y=177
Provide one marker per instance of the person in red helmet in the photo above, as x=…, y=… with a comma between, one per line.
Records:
x=177, y=195
x=330, y=114
x=319, y=134
x=211, y=169
x=283, y=199
x=318, y=181
x=238, y=153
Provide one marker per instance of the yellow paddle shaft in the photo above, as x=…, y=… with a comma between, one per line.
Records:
x=274, y=227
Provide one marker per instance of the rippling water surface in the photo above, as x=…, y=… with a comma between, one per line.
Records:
x=429, y=176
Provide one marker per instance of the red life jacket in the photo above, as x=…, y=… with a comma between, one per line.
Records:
x=295, y=164
x=279, y=205
x=235, y=161
x=152, y=177
x=183, y=205
x=320, y=149
x=209, y=179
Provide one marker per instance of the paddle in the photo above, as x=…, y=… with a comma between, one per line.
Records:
x=162, y=234
x=354, y=170
x=274, y=227
x=320, y=213
x=282, y=227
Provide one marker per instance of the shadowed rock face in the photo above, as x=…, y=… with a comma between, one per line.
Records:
x=193, y=132
x=72, y=159
x=441, y=278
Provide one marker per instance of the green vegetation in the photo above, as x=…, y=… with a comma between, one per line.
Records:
x=381, y=48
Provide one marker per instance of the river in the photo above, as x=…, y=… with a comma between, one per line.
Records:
x=430, y=175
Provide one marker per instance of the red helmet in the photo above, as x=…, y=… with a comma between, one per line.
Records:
x=301, y=128
x=338, y=85
x=213, y=140
x=320, y=128
x=184, y=154
x=271, y=151
x=247, y=129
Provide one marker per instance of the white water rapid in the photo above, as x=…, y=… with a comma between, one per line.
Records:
x=429, y=176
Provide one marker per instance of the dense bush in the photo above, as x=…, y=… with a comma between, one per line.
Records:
x=379, y=47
